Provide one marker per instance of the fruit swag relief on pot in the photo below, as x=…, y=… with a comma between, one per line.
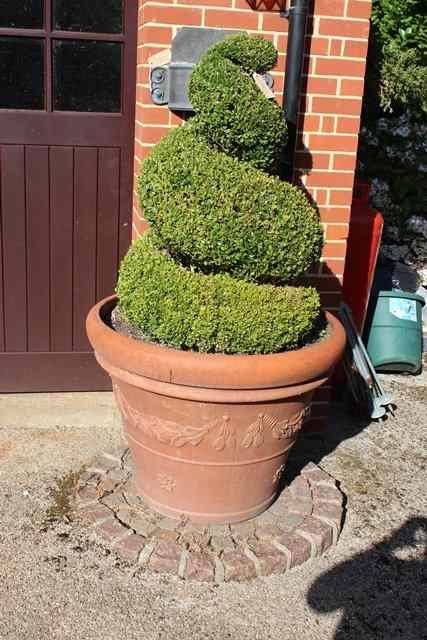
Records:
x=214, y=354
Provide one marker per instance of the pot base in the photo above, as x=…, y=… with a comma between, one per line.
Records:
x=209, y=517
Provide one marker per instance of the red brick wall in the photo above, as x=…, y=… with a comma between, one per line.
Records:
x=330, y=106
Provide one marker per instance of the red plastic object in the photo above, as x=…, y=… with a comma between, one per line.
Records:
x=366, y=226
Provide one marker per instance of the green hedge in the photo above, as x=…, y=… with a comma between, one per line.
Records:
x=217, y=213
x=217, y=313
x=233, y=115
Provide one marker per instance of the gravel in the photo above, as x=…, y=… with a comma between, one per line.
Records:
x=58, y=582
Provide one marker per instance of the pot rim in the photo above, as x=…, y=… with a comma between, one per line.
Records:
x=213, y=370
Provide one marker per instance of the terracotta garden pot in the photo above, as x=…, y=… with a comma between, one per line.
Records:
x=209, y=433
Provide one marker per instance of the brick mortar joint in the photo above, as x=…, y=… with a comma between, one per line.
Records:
x=284, y=551
x=252, y=557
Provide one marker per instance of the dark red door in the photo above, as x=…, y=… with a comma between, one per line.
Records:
x=67, y=100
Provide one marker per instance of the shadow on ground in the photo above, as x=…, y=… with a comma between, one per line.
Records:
x=382, y=592
x=313, y=447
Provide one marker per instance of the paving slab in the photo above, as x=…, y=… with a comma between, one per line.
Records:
x=59, y=580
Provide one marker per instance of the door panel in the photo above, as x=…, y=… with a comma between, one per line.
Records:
x=107, y=220
x=84, y=259
x=14, y=247
x=61, y=237
x=61, y=165
x=65, y=186
x=38, y=242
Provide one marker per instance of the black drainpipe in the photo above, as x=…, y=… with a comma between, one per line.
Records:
x=297, y=15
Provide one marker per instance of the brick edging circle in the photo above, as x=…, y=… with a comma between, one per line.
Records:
x=302, y=524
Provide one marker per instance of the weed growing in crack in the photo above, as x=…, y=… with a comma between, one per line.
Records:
x=62, y=493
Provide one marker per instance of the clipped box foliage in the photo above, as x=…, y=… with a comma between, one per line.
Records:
x=216, y=212
x=216, y=313
x=249, y=54
x=232, y=114
x=227, y=237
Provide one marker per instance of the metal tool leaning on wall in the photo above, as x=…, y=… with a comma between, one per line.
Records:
x=363, y=382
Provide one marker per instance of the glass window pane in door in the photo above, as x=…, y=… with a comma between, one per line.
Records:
x=21, y=73
x=94, y=16
x=21, y=14
x=87, y=75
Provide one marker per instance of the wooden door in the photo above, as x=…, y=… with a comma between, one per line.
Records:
x=67, y=101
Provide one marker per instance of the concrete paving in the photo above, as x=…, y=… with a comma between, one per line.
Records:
x=58, y=582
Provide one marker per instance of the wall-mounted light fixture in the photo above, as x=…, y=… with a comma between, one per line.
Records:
x=268, y=5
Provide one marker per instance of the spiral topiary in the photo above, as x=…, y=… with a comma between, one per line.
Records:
x=227, y=237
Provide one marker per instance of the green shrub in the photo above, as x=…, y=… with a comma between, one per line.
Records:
x=216, y=313
x=217, y=213
x=224, y=233
x=403, y=81
x=401, y=22
x=233, y=115
x=397, y=59
x=392, y=152
x=251, y=54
